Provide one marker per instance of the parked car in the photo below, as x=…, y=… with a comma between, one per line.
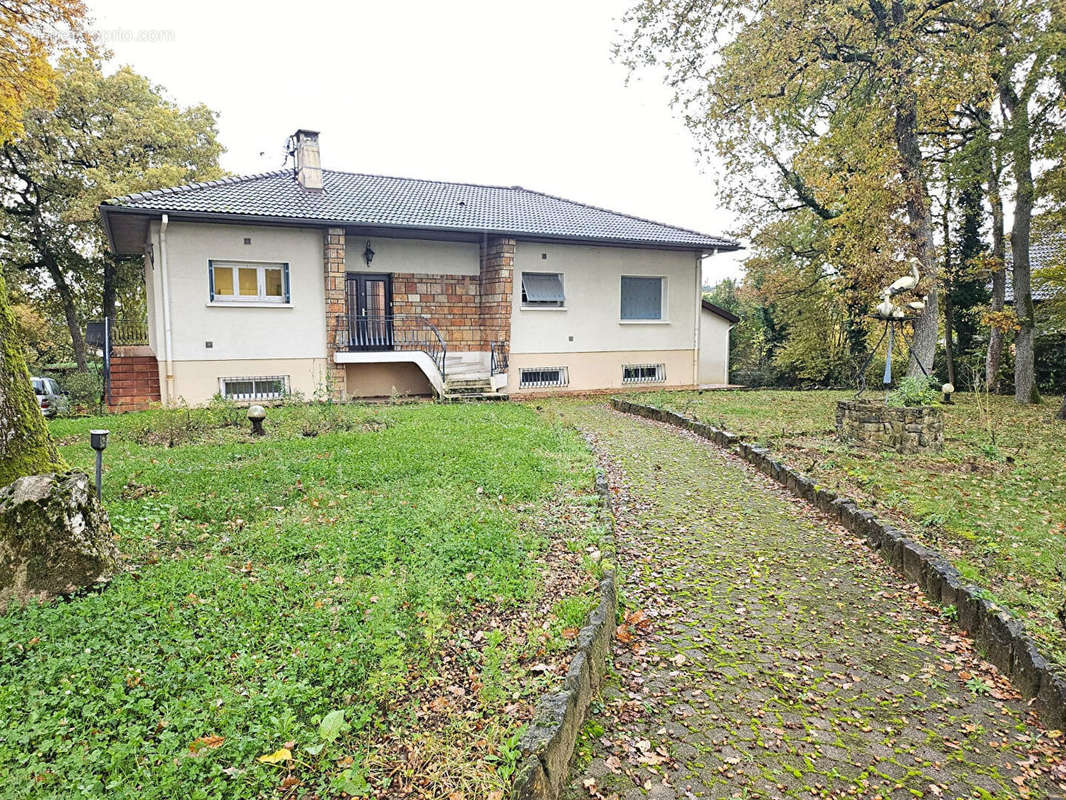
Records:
x=51, y=399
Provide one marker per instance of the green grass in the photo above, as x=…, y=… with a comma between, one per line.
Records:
x=994, y=501
x=270, y=582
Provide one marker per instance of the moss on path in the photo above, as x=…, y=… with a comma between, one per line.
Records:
x=767, y=653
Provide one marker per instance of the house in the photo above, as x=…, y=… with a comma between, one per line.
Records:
x=351, y=285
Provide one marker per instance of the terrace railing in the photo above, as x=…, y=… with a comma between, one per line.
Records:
x=396, y=332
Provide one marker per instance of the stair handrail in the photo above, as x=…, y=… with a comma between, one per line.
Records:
x=392, y=332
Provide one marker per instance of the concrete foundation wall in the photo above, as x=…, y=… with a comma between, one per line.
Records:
x=385, y=380
x=197, y=381
x=601, y=370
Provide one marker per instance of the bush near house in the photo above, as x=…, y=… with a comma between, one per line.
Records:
x=994, y=501
x=291, y=602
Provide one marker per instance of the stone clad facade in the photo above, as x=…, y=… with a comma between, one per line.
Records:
x=905, y=430
x=450, y=302
x=335, y=275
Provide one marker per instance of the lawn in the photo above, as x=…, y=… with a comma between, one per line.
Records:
x=310, y=612
x=994, y=501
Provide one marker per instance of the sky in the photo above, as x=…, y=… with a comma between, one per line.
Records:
x=509, y=93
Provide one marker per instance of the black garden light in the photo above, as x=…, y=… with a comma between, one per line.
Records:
x=256, y=414
x=368, y=253
x=98, y=442
x=948, y=390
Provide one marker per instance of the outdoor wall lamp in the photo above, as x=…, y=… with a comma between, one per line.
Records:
x=368, y=254
x=256, y=414
x=98, y=441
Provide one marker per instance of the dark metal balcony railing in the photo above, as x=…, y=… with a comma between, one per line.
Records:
x=403, y=332
x=497, y=358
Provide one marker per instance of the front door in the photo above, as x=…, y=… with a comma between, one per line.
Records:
x=369, y=311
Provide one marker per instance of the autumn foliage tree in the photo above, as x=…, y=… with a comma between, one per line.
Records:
x=106, y=135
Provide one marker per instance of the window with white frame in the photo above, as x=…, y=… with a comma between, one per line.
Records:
x=642, y=298
x=542, y=290
x=248, y=282
x=643, y=373
x=535, y=377
x=260, y=387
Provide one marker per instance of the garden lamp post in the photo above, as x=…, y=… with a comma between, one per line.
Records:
x=948, y=390
x=98, y=441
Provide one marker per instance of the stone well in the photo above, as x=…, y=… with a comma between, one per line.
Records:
x=905, y=430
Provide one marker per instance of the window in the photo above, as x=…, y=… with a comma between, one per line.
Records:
x=642, y=298
x=643, y=373
x=271, y=387
x=236, y=282
x=543, y=376
x=542, y=290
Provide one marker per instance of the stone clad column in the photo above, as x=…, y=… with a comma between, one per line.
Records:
x=496, y=286
x=336, y=308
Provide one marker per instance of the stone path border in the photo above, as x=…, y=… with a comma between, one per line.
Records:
x=1000, y=636
x=548, y=743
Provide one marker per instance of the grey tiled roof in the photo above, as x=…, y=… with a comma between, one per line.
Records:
x=378, y=200
x=1043, y=250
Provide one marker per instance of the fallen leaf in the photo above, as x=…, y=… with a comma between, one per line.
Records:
x=282, y=754
x=205, y=743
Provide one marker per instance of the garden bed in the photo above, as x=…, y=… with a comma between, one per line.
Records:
x=993, y=501
x=423, y=570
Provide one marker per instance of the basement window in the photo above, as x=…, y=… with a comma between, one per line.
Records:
x=643, y=373
x=269, y=387
x=542, y=290
x=248, y=282
x=538, y=377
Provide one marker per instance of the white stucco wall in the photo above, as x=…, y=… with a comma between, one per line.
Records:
x=591, y=319
x=281, y=339
x=293, y=330
x=419, y=256
x=714, y=348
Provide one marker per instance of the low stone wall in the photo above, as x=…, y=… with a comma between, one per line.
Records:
x=548, y=743
x=999, y=636
x=905, y=430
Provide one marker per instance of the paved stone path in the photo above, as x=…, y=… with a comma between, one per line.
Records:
x=768, y=653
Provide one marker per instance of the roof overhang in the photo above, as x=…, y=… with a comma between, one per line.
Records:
x=127, y=230
x=728, y=316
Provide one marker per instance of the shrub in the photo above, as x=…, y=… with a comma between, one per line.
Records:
x=83, y=389
x=913, y=391
x=224, y=412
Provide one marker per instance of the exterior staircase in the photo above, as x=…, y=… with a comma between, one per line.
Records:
x=468, y=380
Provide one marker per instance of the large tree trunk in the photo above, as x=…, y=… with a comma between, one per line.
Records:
x=66, y=297
x=999, y=277
x=110, y=292
x=25, y=446
x=949, y=309
x=1025, y=390
x=920, y=224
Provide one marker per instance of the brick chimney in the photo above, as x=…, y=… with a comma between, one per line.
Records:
x=308, y=160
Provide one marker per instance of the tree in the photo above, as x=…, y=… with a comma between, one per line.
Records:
x=819, y=105
x=30, y=32
x=1029, y=45
x=25, y=446
x=105, y=136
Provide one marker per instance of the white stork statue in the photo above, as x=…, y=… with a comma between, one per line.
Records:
x=886, y=307
x=907, y=282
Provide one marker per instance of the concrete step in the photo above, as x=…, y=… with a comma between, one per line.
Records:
x=467, y=382
x=482, y=397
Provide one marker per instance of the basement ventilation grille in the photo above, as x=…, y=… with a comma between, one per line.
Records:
x=543, y=376
x=262, y=387
x=644, y=373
